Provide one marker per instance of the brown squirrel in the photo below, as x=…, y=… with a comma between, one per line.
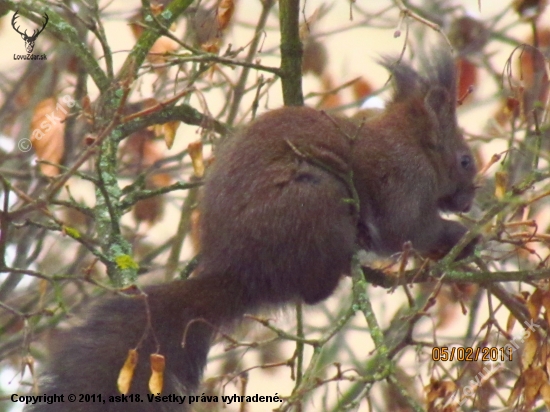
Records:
x=288, y=201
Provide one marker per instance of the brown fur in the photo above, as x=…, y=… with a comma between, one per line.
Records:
x=279, y=225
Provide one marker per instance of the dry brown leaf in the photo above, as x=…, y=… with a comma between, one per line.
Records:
x=530, y=350
x=197, y=159
x=510, y=323
x=467, y=78
x=439, y=389
x=135, y=24
x=212, y=46
x=127, y=372
x=361, y=88
x=167, y=131
x=516, y=391
x=156, y=8
x=545, y=393
x=162, y=46
x=156, y=381
x=160, y=180
x=225, y=13
x=47, y=130
x=149, y=210
x=534, y=303
x=544, y=353
x=534, y=379
x=431, y=391
x=331, y=99
x=159, y=52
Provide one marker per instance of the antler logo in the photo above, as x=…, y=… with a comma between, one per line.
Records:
x=29, y=40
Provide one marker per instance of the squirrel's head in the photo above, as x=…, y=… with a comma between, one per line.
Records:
x=430, y=101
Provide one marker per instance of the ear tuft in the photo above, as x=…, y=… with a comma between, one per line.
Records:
x=438, y=70
x=406, y=81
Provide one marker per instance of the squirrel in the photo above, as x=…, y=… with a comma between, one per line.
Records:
x=287, y=203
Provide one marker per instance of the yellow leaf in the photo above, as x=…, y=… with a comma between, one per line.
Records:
x=501, y=183
x=71, y=231
x=127, y=372
x=195, y=151
x=169, y=131
x=530, y=350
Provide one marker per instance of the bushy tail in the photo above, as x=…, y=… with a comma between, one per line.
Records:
x=177, y=320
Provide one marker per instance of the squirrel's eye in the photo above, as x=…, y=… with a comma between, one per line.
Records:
x=465, y=161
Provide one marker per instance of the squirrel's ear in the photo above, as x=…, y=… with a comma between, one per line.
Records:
x=438, y=100
x=440, y=107
x=406, y=82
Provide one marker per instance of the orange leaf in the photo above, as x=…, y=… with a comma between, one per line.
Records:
x=225, y=12
x=212, y=46
x=135, y=23
x=157, y=373
x=331, y=98
x=467, y=77
x=361, y=89
x=160, y=50
x=127, y=372
x=47, y=133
